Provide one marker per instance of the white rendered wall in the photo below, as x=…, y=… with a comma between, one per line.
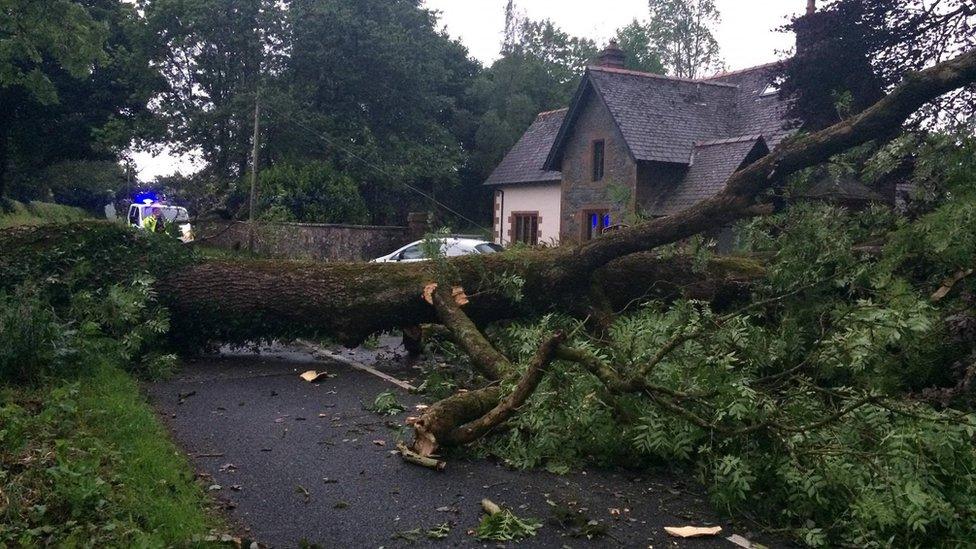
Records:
x=543, y=198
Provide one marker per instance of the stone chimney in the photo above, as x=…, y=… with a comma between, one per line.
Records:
x=612, y=56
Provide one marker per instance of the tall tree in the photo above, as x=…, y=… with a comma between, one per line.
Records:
x=850, y=50
x=41, y=38
x=538, y=70
x=384, y=93
x=682, y=33
x=642, y=53
x=62, y=115
x=217, y=52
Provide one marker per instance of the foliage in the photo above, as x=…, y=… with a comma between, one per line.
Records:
x=641, y=51
x=386, y=404
x=87, y=184
x=867, y=46
x=215, y=55
x=90, y=75
x=681, y=30
x=90, y=295
x=538, y=71
x=506, y=526
x=34, y=31
x=312, y=193
x=86, y=463
x=834, y=403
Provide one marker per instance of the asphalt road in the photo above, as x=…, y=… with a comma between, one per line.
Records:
x=300, y=462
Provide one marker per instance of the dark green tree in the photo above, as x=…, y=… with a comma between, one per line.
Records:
x=642, y=54
x=43, y=41
x=384, y=94
x=217, y=53
x=538, y=70
x=67, y=116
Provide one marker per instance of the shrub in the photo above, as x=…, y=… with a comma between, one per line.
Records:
x=33, y=341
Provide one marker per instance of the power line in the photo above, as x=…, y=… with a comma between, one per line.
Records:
x=379, y=169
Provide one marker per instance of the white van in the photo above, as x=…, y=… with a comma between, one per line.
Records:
x=138, y=213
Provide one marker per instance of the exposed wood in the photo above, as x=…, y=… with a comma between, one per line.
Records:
x=949, y=283
x=417, y=459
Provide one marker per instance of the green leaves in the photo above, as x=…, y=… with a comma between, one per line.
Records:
x=506, y=526
x=386, y=404
x=34, y=30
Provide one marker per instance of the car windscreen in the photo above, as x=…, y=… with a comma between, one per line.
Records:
x=489, y=248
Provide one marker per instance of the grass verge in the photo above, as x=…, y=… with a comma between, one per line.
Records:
x=36, y=213
x=85, y=462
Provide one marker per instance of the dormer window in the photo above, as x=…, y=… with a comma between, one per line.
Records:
x=598, y=158
x=772, y=88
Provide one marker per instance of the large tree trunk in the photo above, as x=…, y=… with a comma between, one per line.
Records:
x=240, y=301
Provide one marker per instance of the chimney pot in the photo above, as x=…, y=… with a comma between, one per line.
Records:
x=612, y=56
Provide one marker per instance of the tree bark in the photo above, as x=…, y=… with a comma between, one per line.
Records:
x=241, y=301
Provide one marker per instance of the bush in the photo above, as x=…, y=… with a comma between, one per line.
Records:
x=33, y=341
x=312, y=192
x=73, y=293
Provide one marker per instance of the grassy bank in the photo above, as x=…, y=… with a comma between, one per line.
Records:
x=36, y=213
x=86, y=462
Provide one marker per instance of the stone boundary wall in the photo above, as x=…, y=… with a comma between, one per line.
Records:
x=321, y=242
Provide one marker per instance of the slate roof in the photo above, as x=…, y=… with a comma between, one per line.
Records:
x=712, y=163
x=523, y=163
x=711, y=125
x=757, y=112
x=661, y=118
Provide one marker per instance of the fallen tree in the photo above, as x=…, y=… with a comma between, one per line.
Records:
x=572, y=270
x=750, y=382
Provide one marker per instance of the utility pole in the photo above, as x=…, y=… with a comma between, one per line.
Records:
x=811, y=7
x=254, y=170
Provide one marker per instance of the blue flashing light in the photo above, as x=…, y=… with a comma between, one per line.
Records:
x=145, y=197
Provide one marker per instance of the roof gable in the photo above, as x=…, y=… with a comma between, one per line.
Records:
x=524, y=161
x=659, y=117
x=712, y=164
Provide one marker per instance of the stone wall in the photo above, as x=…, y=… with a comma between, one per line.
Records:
x=320, y=242
x=579, y=191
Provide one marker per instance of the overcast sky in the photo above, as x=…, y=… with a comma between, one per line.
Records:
x=747, y=36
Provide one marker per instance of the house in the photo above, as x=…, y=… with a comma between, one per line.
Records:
x=631, y=145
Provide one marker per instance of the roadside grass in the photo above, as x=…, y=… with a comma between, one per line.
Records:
x=84, y=462
x=36, y=213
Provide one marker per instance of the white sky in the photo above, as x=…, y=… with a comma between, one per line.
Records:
x=747, y=35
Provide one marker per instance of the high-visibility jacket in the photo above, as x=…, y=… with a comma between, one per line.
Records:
x=149, y=223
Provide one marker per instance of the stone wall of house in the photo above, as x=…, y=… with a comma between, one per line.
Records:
x=655, y=179
x=321, y=242
x=579, y=191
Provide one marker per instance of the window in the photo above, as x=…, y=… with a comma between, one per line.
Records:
x=598, y=154
x=133, y=215
x=594, y=223
x=413, y=252
x=489, y=248
x=525, y=228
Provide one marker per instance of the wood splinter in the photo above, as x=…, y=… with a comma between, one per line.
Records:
x=410, y=456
